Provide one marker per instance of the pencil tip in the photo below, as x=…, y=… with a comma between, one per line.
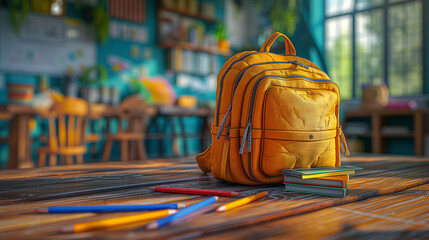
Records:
x=216, y=197
x=67, y=229
x=41, y=210
x=152, y=226
x=233, y=194
x=220, y=209
x=181, y=205
x=171, y=211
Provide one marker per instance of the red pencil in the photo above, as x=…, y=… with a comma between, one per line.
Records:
x=197, y=191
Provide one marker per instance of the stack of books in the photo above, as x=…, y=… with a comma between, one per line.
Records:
x=329, y=181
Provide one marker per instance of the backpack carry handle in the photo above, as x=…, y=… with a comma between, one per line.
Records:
x=289, y=48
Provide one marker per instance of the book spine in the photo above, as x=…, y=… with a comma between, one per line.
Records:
x=319, y=185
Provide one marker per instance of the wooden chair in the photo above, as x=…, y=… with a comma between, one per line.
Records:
x=133, y=110
x=5, y=116
x=70, y=118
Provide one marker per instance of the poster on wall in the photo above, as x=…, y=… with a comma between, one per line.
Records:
x=39, y=29
x=46, y=45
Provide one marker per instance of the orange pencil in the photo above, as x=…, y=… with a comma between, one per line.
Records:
x=117, y=221
x=240, y=202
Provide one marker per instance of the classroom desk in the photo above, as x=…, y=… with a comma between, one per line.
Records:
x=21, y=142
x=19, y=138
x=389, y=199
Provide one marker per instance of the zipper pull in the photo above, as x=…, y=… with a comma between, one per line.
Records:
x=227, y=132
x=222, y=125
x=344, y=143
x=300, y=64
x=243, y=142
x=249, y=141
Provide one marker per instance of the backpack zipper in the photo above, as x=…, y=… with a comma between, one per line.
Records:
x=223, y=77
x=225, y=117
x=221, y=85
x=344, y=147
x=249, y=122
x=248, y=130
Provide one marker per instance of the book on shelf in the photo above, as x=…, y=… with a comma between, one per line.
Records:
x=326, y=191
x=334, y=181
x=395, y=130
x=191, y=62
x=356, y=128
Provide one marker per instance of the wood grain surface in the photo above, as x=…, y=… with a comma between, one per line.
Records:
x=389, y=199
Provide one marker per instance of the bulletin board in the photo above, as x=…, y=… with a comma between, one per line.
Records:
x=46, y=45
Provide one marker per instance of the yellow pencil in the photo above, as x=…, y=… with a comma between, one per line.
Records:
x=117, y=221
x=240, y=202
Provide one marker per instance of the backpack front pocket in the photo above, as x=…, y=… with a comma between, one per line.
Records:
x=299, y=129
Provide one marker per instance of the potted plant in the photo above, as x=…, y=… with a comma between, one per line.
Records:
x=221, y=35
x=97, y=16
x=90, y=80
x=18, y=12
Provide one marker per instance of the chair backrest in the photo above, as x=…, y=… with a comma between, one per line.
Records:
x=69, y=117
x=133, y=110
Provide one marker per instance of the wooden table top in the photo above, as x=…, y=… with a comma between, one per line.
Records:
x=99, y=110
x=389, y=199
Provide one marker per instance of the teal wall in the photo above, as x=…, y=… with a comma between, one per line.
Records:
x=154, y=63
x=317, y=25
x=426, y=45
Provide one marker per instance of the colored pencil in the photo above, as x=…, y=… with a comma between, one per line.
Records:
x=117, y=221
x=110, y=208
x=240, y=202
x=180, y=214
x=197, y=191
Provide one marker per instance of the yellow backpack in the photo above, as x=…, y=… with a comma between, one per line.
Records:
x=273, y=112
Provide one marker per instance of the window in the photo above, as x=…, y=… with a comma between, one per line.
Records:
x=375, y=42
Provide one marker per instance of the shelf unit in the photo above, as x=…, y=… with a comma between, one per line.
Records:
x=188, y=14
x=192, y=47
x=377, y=122
x=175, y=29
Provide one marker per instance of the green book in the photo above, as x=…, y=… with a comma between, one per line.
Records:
x=302, y=172
x=326, y=191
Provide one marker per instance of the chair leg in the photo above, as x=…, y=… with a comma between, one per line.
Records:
x=124, y=150
x=69, y=160
x=79, y=159
x=107, y=150
x=133, y=150
x=62, y=160
x=42, y=159
x=52, y=160
x=93, y=148
x=141, y=151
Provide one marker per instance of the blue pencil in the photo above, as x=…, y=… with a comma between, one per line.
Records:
x=109, y=208
x=188, y=210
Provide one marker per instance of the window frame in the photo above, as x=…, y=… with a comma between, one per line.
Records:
x=384, y=6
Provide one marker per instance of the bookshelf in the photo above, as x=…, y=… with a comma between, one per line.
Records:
x=192, y=47
x=377, y=120
x=188, y=14
x=188, y=32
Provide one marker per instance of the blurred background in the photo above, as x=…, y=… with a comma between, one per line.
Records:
x=168, y=54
